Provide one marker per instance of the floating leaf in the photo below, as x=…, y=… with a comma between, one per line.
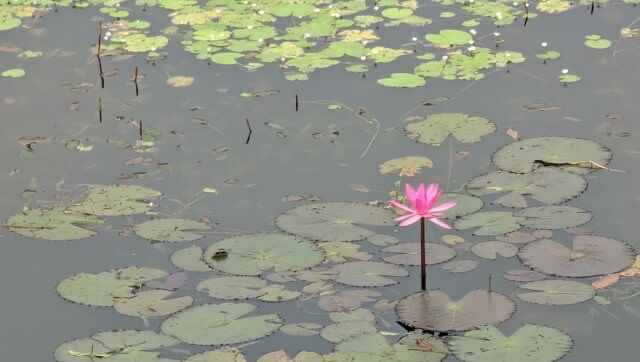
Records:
x=180, y=81
x=437, y=127
x=233, y=287
x=301, y=329
x=465, y=205
x=435, y=311
x=255, y=254
x=281, y=356
x=375, y=348
x=334, y=221
x=368, y=273
x=151, y=303
x=574, y=154
x=382, y=240
x=402, y=80
x=460, y=266
x=409, y=253
x=336, y=333
x=518, y=237
x=9, y=22
x=491, y=249
x=52, y=224
x=113, y=200
x=449, y=37
x=548, y=55
x=100, y=289
x=547, y=185
x=405, y=166
x=490, y=223
x=553, y=6
x=553, y=217
x=14, y=73
x=347, y=300
x=396, y=13
x=190, y=259
x=569, y=78
x=530, y=343
x=606, y=281
x=589, y=256
x=220, y=324
x=557, y=292
x=118, y=346
x=225, y=354
x=277, y=293
x=523, y=275
x=341, y=251
x=596, y=41
x=170, y=230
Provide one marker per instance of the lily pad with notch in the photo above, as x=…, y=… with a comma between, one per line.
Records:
x=334, y=221
x=171, y=230
x=553, y=217
x=151, y=303
x=556, y=292
x=114, y=200
x=225, y=354
x=375, y=348
x=233, y=287
x=190, y=259
x=437, y=127
x=368, y=273
x=491, y=249
x=460, y=266
x=52, y=224
x=490, y=223
x=409, y=254
x=435, y=311
x=465, y=204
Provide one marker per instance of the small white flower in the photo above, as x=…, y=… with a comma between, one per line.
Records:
x=364, y=42
x=249, y=27
x=496, y=34
x=307, y=35
x=565, y=71
x=254, y=5
x=330, y=6
x=498, y=15
x=376, y=8
x=544, y=44
x=515, y=3
x=445, y=57
x=108, y=33
x=282, y=59
x=363, y=58
x=218, y=11
x=316, y=10
x=261, y=12
x=414, y=39
x=473, y=31
x=507, y=54
x=261, y=40
x=471, y=1
x=471, y=41
x=471, y=48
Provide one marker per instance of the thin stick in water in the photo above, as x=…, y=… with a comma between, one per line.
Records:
x=100, y=110
x=135, y=80
x=490, y=280
x=526, y=13
x=297, y=103
x=140, y=131
x=593, y=7
x=250, y=131
x=98, y=49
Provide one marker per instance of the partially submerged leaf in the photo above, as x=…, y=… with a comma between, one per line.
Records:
x=409, y=253
x=460, y=266
x=556, y=292
x=282, y=356
x=437, y=127
x=114, y=200
x=368, y=273
x=190, y=259
x=170, y=230
x=490, y=223
x=233, y=287
x=405, y=166
x=226, y=354
x=523, y=275
x=347, y=300
x=375, y=348
x=151, y=303
x=180, y=81
x=301, y=329
x=52, y=224
x=341, y=251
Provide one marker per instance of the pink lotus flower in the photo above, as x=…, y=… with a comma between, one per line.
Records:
x=422, y=203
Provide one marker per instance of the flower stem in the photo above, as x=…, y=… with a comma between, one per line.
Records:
x=423, y=257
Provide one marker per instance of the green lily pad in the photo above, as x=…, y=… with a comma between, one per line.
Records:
x=368, y=273
x=100, y=289
x=588, y=256
x=490, y=223
x=52, y=224
x=553, y=217
x=13, y=73
x=409, y=254
x=396, y=13
x=151, y=303
x=233, y=287
x=547, y=185
x=375, y=348
x=140, y=43
x=334, y=221
x=190, y=259
x=341, y=251
x=282, y=356
x=220, y=324
x=553, y=6
x=30, y=54
x=114, y=200
x=596, y=41
x=435, y=311
x=276, y=293
x=8, y=23
x=170, y=230
x=530, y=343
x=437, y=127
x=569, y=78
x=548, y=55
x=117, y=346
x=405, y=166
x=573, y=154
x=336, y=333
x=225, y=354
x=357, y=68
x=465, y=204
x=255, y=254
x=382, y=240
x=449, y=37
x=402, y=80
x=301, y=329
x=491, y=249
x=557, y=292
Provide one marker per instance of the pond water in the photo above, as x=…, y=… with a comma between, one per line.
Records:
x=234, y=146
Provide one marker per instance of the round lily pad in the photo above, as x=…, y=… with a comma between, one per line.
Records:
x=117, y=346
x=530, y=343
x=557, y=292
x=282, y=356
x=334, y=221
x=347, y=300
x=553, y=217
x=9, y=22
x=465, y=204
x=368, y=274
x=437, y=127
x=460, y=266
x=278, y=293
x=574, y=154
x=301, y=329
x=151, y=303
x=409, y=253
x=52, y=224
x=14, y=73
x=382, y=240
x=374, y=347
x=170, y=230
x=402, y=80
x=547, y=185
x=233, y=287
x=491, y=249
x=449, y=37
x=226, y=354
x=405, y=166
x=524, y=275
x=341, y=251
x=339, y=332
x=255, y=254
x=589, y=256
x=220, y=324
x=435, y=311
x=190, y=259
x=490, y=223
x=114, y=200
x=596, y=41
x=100, y=289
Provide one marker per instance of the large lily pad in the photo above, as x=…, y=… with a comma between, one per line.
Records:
x=409, y=253
x=557, y=292
x=334, y=221
x=170, y=230
x=553, y=217
x=255, y=254
x=375, y=348
x=151, y=303
x=190, y=259
x=113, y=200
x=117, y=346
x=220, y=324
x=574, y=154
x=437, y=127
x=341, y=251
x=52, y=224
x=530, y=343
x=589, y=256
x=225, y=354
x=100, y=289
x=491, y=249
x=233, y=287
x=547, y=185
x=368, y=274
x=402, y=80
x=435, y=311
x=465, y=204
x=282, y=356
x=490, y=223
x=449, y=37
